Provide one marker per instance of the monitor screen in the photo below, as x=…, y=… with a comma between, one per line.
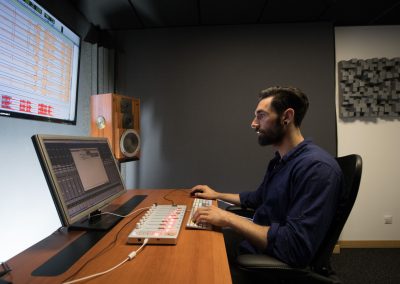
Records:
x=39, y=62
x=82, y=175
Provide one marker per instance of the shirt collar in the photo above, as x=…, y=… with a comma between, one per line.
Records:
x=293, y=152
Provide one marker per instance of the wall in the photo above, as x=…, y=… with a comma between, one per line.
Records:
x=27, y=212
x=376, y=140
x=198, y=88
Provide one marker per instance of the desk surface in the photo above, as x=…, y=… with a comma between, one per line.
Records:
x=198, y=257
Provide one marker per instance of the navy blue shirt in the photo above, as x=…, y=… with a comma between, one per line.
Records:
x=297, y=199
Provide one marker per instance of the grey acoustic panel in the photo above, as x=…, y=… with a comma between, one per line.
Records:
x=369, y=88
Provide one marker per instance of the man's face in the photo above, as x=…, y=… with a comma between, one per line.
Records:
x=267, y=124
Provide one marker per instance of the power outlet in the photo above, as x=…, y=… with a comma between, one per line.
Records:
x=388, y=219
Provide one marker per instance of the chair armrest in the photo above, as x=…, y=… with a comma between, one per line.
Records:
x=245, y=212
x=270, y=266
x=265, y=263
x=257, y=261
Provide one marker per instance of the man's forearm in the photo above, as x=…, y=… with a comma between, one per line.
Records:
x=230, y=197
x=256, y=234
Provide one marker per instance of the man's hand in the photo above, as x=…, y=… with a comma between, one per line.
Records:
x=212, y=215
x=204, y=191
x=256, y=234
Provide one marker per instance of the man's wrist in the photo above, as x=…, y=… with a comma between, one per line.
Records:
x=218, y=195
x=228, y=219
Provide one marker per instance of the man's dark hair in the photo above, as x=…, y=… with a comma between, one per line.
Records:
x=287, y=97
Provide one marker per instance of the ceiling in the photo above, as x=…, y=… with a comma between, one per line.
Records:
x=116, y=15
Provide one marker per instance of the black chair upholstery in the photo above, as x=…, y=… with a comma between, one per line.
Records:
x=319, y=271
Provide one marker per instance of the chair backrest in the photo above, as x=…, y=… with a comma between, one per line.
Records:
x=351, y=166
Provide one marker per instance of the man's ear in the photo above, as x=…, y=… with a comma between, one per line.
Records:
x=288, y=116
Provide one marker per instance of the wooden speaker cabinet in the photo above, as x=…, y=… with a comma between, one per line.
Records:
x=117, y=117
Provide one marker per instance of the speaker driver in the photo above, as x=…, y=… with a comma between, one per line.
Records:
x=130, y=143
x=127, y=120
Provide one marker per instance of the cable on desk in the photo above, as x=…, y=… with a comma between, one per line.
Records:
x=111, y=244
x=170, y=200
x=131, y=256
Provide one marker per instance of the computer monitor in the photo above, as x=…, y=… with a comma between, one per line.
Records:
x=39, y=64
x=83, y=177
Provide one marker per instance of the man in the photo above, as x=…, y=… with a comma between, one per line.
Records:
x=296, y=202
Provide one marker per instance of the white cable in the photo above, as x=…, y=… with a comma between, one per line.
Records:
x=97, y=274
x=130, y=257
x=134, y=253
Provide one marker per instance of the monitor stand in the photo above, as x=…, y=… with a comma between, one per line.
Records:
x=105, y=222
x=96, y=222
x=66, y=257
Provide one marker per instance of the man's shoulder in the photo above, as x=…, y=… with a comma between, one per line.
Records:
x=313, y=154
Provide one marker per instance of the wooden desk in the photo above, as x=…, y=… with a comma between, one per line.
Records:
x=198, y=257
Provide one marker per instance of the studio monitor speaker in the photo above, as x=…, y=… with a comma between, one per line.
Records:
x=117, y=118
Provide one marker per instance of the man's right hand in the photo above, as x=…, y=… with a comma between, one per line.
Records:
x=204, y=191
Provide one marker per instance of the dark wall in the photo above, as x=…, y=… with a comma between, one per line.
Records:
x=198, y=88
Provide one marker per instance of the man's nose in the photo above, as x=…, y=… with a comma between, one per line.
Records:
x=254, y=123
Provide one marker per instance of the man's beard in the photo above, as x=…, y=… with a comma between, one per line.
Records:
x=272, y=136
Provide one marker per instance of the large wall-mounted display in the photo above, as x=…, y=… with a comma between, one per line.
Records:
x=39, y=58
x=369, y=88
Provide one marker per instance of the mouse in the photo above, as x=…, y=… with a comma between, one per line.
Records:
x=193, y=193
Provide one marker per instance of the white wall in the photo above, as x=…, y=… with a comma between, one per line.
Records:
x=27, y=211
x=376, y=140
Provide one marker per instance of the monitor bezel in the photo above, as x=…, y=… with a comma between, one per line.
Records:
x=55, y=190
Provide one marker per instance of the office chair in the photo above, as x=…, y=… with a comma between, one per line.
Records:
x=319, y=271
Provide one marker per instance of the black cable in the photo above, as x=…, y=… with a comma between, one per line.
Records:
x=112, y=244
x=260, y=16
x=170, y=200
x=384, y=13
x=104, y=250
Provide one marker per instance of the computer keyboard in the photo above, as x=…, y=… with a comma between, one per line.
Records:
x=198, y=202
